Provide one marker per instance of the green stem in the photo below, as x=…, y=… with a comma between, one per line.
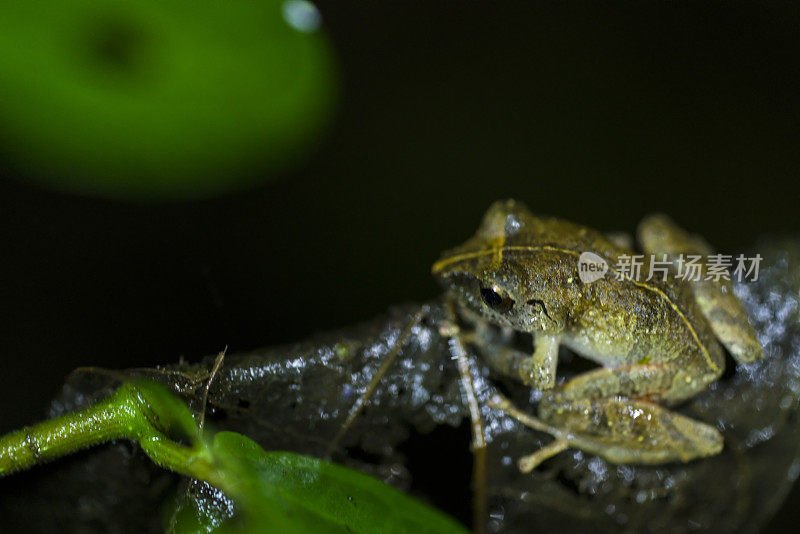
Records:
x=51, y=439
x=128, y=413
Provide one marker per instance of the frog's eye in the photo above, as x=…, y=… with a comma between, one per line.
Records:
x=495, y=300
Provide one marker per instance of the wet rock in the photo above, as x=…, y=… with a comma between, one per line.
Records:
x=298, y=397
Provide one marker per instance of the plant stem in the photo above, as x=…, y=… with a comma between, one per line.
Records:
x=45, y=441
x=128, y=413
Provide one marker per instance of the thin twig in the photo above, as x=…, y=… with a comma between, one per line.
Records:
x=480, y=508
x=358, y=406
x=214, y=369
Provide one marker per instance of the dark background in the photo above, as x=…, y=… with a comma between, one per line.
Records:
x=598, y=115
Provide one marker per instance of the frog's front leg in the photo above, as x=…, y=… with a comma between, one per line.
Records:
x=537, y=370
x=611, y=412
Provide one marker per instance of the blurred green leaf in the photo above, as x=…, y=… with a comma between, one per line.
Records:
x=160, y=98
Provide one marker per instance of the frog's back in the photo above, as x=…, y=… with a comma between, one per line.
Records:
x=510, y=227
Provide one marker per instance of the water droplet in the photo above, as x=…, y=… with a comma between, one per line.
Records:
x=302, y=15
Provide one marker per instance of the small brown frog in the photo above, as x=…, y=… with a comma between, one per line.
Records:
x=656, y=338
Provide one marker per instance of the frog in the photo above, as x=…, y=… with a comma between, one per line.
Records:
x=657, y=337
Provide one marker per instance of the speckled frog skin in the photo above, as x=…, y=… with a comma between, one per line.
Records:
x=658, y=341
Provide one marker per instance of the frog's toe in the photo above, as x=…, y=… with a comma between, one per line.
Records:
x=528, y=463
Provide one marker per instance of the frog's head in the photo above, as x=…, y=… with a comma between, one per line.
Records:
x=500, y=273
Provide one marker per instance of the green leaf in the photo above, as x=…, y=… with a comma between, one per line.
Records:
x=291, y=493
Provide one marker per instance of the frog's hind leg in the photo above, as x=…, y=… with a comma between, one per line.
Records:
x=632, y=431
x=611, y=412
x=659, y=235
